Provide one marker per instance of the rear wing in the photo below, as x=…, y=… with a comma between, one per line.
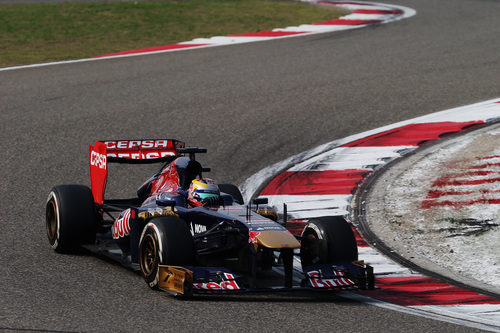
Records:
x=127, y=151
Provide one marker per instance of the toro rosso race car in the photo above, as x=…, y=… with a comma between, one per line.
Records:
x=187, y=234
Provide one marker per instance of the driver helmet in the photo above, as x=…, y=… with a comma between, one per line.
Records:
x=201, y=189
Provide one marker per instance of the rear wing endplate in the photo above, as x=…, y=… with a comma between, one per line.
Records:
x=127, y=151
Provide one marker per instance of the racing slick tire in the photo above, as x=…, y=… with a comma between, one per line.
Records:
x=327, y=240
x=164, y=241
x=233, y=190
x=70, y=217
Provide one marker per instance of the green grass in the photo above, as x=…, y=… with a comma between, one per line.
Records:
x=34, y=33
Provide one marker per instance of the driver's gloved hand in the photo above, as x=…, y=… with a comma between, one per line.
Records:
x=211, y=201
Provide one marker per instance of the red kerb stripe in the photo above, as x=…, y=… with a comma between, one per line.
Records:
x=488, y=157
x=421, y=290
x=153, y=49
x=359, y=240
x=426, y=204
x=484, y=166
x=345, y=3
x=434, y=194
x=296, y=226
x=446, y=181
x=347, y=22
x=451, y=179
x=269, y=34
x=412, y=134
x=315, y=182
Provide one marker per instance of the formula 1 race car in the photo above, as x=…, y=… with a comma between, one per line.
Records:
x=186, y=234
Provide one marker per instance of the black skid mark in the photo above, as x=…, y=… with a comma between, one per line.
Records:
x=467, y=227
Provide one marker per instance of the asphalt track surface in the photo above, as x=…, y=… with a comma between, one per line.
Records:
x=251, y=105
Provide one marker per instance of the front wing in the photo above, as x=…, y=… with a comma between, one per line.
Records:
x=188, y=280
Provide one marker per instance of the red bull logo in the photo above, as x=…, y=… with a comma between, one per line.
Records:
x=121, y=227
x=229, y=284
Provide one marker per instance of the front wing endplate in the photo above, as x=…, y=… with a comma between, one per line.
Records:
x=175, y=279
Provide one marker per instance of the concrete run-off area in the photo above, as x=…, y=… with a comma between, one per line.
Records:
x=439, y=208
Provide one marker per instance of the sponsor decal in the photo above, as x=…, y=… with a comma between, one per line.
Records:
x=150, y=213
x=229, y=284
x=197, y=228
x=174, y=278
x=98, y=160
x=142, y=156
x=339, y=282
x=252, y=236
x=260, y=222
x=98, y=171
x=176, y=281
x=138, y=144
x=266, y=226
x=121, y=227
x=140, y=149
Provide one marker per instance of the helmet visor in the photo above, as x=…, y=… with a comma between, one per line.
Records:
x=203, y=194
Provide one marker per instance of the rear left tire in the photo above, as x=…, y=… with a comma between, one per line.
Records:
x=70, y=217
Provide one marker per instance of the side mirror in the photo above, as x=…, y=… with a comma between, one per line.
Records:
x=260, y=201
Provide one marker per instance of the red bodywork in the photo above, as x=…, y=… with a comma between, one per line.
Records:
x=130, y=151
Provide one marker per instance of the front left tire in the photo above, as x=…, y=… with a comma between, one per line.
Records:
x=164, y=241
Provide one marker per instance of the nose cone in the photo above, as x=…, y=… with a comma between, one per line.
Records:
x=277, y=239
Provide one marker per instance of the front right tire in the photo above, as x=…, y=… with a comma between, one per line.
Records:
x=328, y=240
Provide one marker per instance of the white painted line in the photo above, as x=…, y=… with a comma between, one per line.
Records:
x=352, y=158
x=488, y=313
x=436, y=314
x=229, y=40
x=383, y=266
x=317, y=29
x=66, y=62
x=316, y=205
